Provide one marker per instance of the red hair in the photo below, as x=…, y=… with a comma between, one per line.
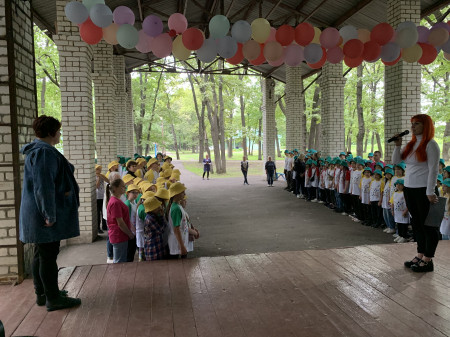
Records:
x=427, y=135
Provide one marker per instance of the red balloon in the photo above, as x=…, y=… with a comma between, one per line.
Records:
x=372, y=51
x=172, y=33
x=382, y=33
x=319, y=64
x=429, y=53
x=193, y=38
x=353, y=48
x=90, y=33
x=393, y=62
x=238, y=57
x=285, y=35
x=353, y=62
x=260, y=59
x=304, y=34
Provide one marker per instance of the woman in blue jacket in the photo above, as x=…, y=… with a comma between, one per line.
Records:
x=49, y=210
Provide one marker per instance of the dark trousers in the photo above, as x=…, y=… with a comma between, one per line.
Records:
x=357, y=206
x=289, y=179
x=100, y=219
x=402, y=229
x=346, y=202
x=312, y=194
x=207, y=175
x=302, y=185
x=367, y=214
x=270, y=177
x=377, y=214
x=45, y=269
x=245, y=176
x=427, y=237
x=131, y=250
x=109, y=249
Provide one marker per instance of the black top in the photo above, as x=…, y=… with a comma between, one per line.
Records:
x=270, y=166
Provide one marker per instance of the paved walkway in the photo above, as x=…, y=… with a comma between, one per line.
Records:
x=235, y=219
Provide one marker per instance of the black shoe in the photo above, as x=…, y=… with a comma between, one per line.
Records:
x=41, y=299
x=409, y=264
x=100, y=231
x=423, y=267
x=62, y=302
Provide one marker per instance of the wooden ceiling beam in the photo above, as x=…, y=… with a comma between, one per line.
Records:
x=241, y=9
x=229, y=8
x=434, y=7
x=273, y=8
x=292, y=10
x=204, y=10
x=352, y=11
x=43, y=23
x=314, y=11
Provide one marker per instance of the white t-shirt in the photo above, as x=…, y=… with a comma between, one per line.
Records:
x=365, y=190
x=323, y=179
x=355, y=180
x=445, y=224
x=316, y=176
x=307, y=177
x=330, y=178
x=399, y=207
x=286, y=162
x=101, y=188
x=375, y=190
x=337, y=176
x=184, y=230
x=386, y=195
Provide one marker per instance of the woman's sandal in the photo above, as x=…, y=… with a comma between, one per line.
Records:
x=423, y=266
x=409, y=264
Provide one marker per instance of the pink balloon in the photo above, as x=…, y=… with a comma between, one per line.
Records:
x=293, y=55
x=278, y=62
x=423, y=34
x=123, y=15
x=335, y=55
x=145, y=42
x=273, y=32
x=329, y=37
x=178, y=23
x=162, y=45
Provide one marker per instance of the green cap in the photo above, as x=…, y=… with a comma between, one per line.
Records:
x=379, y=164
x=401, y=182
x=447, y=168
x=442, y=161
x=344, y=163
x=309, y=162
x=389, y=166
x=313, y=162
x=370, y=154
x=390, y=171
x=440, y=178
x=368, y=169
x=378, y=172
x=402, y=165
x=342, y=153
x=447, y=182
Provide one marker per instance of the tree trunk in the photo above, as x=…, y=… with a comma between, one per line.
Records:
x=222, y=124
x=349, y=140
x=138, y=125
x=446, y=140
x=278, y=143
x=44, y=89
x=201, y=121
x=365, y=144
x=373, y=140
x=317, y=139
x=250, y=147
x=360, y=113
x=175, y=140
x=230, y=147
x=259, y=141
x=147, y=147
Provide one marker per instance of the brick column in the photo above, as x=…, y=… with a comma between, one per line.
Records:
x=130, y=116
x=402, y=81
x=268, y=119
x=105, y=92
x=333, y=127
x=120, y=104
x=295, y=132
x=18, y=109
x=75, y=62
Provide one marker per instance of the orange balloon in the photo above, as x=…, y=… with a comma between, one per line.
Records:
x=438, y=36
x=110, y=34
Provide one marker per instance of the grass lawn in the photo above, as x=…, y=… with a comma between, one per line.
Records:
x=237, y=156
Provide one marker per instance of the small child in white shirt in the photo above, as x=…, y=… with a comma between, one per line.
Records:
x=400, y=211
x=445, y=224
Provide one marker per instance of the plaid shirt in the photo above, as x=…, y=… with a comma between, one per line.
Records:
x=153, y=237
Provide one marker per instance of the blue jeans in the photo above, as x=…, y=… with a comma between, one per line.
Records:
x=445, y=237
x=109, y=248
x=270, y=177
x=388, y=218
x=338, y=200
x=120, y=251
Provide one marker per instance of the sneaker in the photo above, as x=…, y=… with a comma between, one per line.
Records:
x=402, y=240
x=320, y=202
x=390, y=231
x=269, y=185
x=356, y=220
x=314, y=200
x=343, y=213
x=385, y=230
x=62, y=302
x=41, y=299
x=298, y=196
x=302, y=196
x=108, y=260
x=395, y=235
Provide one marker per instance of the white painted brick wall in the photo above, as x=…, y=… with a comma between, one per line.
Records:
x=295, y=132
x=268, y=112
x=120, y=104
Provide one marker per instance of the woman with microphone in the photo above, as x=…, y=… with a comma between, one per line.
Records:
x=421, y=156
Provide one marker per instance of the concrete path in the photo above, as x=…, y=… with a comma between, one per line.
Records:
x=237, y=219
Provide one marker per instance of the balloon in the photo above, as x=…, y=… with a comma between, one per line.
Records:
x=304, y=33
x=393, y=62
x=273, y=51
x=293, y=55
x=438, y=36
x=162, y=45
x=101, y=15
x=412, y=54
x=260, y=30
x=260, y=59
x=329, y=37
x=321, y=62
x=278, y=62
x=406, y=25
x=127, y=36
x=145, y=42
x=90, y=3
x=178, y=48
x=335, y=55
x=76, y=12
x=227, y=47
x=178, y=23
x=219, y=26
x=110, y=34
x=208, y=52
x=444, y=25
x=348, y=33
x=313, y=53
x=382, y=33
x=446, y=46
x=251, y=50
x=241, y=31
x=372, y=51
x=407, y=37
x=353, y=62
x=364, y=35
x=123, y=15
x=423, y=34
x=429, y=53
x=317, y=33
x=192, y=38
x=285, y=35
x=90, y=33
x=390, y=52
x=272, y=36
x=353, y=48
x=152, y=25
x=238, y=57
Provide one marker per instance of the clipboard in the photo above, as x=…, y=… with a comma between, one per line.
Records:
x=436, y=213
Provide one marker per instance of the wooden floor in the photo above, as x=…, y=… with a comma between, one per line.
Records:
x=359, y=291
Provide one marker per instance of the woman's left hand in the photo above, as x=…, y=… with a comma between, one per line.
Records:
x=432, y=198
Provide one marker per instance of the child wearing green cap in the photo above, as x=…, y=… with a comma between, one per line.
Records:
x=445, y=224
x=439, y=190
x=376, y=189
x=355, y=190
x=441, y=166
x=385, y=205
x=400, y=212
x=365, y=196
x=399, y=171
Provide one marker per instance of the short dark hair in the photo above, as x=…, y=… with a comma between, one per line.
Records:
x=45, y=126
x=131, y=163
x=377, y=152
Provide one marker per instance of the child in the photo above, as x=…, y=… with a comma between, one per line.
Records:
x=153, y=171
x=323, y=183
x=308, y=173
x=446, y=174
x=337, y=177
x=154, y=227
x=140, y=222
x=441, y=166
x=131, y=168
x=365, y=196
x=399, y=171
x=132, y=194
x=376, y=190
x=400, y=212
x=314, y=180
x=344, y=184
x=194, y=234
x=330, y=179
x=355, y=181
x=439, y=188
x=445, y=224
x=386, y=196
x=100, y=189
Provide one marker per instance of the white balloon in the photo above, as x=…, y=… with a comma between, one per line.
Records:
x=208, y=52
x=406, y=24
x=76, y=12
x=227, y=47
x=348, y=33
x=407, y=37
x=241, y=31
x=101, y=15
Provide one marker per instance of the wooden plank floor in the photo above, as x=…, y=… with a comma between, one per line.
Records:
x=357, y=291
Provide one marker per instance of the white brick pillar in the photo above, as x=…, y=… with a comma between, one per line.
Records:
x=75, y=62
x=120, y=104
x=105, y=92
x=18, y=109
x=295, y=132
x=268, y=119
x=332, y=85
x=130, y=116
x=401, y=81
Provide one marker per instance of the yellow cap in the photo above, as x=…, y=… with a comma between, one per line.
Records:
x=97, y=166
x=127, y=178
x=151, y=162
x=141, y=160
x=145, y=186
x=133, y=187
x=176, y=188
x=174, y=176
x=163, y=194
x=156, y=186
x=137, y=181
x=166, y=173
x=112, y=164
x=151, y=204
x=165, y=166
x=147, y=195
x=149, y=175
x=160, y=180
x=177, y=171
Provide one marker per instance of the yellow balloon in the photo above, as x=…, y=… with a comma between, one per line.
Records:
x=317, y=33
x=110, y=34
x=260, y=30
x=412, y=54
x=364, y=35
x=179, y=50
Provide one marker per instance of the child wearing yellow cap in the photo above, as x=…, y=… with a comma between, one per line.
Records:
x=132, y=194
x=155, y=225
x=140, y=221
x=153, y=170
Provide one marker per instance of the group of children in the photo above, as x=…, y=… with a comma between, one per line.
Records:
x=367, y=190
x=144, y=209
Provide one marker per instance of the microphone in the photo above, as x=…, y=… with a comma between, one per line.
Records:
x=404, y=133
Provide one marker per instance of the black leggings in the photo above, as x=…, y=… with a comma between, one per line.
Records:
x=207, y=176
x=45, y=269
x=245, y=176
x=427, y=237
x=100, y=219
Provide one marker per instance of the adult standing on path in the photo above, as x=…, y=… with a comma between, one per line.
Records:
x=244, y=169
x=271, y=168
x=206, y=167
x=421, y=156
x=49, y=210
